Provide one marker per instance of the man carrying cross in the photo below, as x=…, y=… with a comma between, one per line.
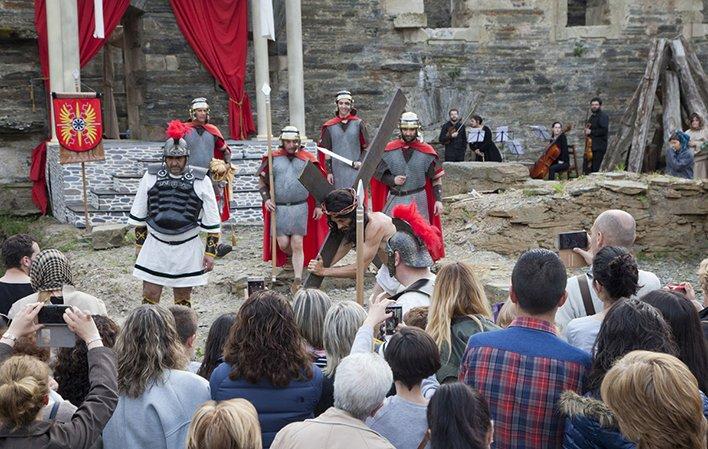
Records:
x=299, y=230
x=409, y=172
x=345, y=135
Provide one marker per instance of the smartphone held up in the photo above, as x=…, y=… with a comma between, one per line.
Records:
x=55, y=333
x=566, y=241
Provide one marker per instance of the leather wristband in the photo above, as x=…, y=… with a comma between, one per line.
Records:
x=437, y=192
x=328, y=163
x=141, y=233
x=265, y=193
x=212, y=241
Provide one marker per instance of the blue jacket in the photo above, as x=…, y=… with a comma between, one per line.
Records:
x=680, y=163
x=590, y=424
x=276, y=407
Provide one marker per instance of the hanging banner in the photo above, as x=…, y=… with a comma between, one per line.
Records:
x=79, y=127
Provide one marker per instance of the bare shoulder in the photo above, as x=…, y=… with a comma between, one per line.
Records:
x=381, y=223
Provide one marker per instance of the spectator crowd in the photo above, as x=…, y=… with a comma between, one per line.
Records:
x=605, y=359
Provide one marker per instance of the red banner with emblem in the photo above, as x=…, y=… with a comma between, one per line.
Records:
x=78, y=122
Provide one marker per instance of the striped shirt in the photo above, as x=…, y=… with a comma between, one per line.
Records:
x=521, y=372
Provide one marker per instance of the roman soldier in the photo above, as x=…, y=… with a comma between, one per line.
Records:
x=208, y=150
x=174, y=202
x=299, y=227
x=409, y=171
x=346, y=135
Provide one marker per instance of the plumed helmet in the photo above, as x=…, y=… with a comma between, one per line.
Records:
x=198, y=103
x=344, y=95
x=175, y=145
x=289, y=133
x=409, y=120
x=418, y=242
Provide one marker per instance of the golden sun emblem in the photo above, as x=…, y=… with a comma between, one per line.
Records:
x=79, y=125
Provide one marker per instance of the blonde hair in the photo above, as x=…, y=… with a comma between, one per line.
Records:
x=656, y=400
x=703, y=276
x=310, y=307
x=225, y=425
x=507, y=314
x=342, y=322
x=146, y=347
x=457, y=293
x=24, y=383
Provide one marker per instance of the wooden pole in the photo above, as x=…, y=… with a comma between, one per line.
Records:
x=360, y=268
x=269, y=132
x=692, y=95
x=84, y=185
x=657, y=61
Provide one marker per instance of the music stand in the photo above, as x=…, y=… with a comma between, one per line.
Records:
x=541, y=132
x=502, y=134
x=475, y=135
x=515, y=148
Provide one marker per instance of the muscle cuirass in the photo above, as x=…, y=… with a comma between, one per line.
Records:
x=173, y=204
x=345, y=143
x=201, y=147
x=288, y=188
x=414, y=169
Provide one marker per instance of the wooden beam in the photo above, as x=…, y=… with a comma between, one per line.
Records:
x=691, y=95
x=655, y=65
x=134, y=66
x=110, y=115
x=694, y=64
x=671, y=118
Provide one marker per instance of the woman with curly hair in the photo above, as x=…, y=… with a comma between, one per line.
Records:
x=71, y=367
x=266, y=362
x=156, y=397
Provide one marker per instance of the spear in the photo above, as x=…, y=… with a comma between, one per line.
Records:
x=269, y=131
x=360, y=268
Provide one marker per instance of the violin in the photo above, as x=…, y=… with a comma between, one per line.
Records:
x=549, y=157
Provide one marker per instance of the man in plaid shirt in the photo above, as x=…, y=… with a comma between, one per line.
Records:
x=522, y=371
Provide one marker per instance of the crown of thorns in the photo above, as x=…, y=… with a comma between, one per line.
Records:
x=347, y=210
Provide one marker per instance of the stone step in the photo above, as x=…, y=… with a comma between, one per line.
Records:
x=126, y=183
x=245, y=183
x=75, y=214
x=110, y=199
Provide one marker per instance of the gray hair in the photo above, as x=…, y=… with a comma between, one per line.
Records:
x=618, y=228
x=310, y=307
x=361, y=384
x=342, y=322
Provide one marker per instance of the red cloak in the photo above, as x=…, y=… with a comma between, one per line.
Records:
x=219, y=143
x=334, y=121
x=316, y=229
x=379, y=190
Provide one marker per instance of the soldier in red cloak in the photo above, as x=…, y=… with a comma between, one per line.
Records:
x=300, y=227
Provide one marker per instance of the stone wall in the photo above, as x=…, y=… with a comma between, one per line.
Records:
x=516, y=59
x=671, y=213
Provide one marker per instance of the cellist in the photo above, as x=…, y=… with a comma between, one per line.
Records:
x=562, y=163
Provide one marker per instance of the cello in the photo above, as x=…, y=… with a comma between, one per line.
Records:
x=549, y=156
x=587, y=154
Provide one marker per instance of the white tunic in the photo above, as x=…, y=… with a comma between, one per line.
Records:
x=174, y=265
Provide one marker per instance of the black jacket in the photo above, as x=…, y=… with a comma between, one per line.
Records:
x=563, y=144
x=453, y=146
x=599, y=129
x=487, y=146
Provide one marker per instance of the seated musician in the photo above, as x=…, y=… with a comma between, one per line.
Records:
x=563, y=162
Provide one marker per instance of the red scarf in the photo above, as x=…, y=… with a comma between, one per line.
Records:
x=415, y=144
x=338, y=119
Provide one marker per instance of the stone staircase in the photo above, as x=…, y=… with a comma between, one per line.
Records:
x=112, y=183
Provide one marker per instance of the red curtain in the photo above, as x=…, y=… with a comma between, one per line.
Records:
x=217, y=31
x=113, y=11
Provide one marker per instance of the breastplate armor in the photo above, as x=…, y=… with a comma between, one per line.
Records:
x=414, y=169
x=288, y=187
x=173, y=205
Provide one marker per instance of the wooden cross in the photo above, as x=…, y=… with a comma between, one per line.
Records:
x=312, y=179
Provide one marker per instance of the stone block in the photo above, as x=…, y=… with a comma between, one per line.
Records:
x=410, y=20
x=462, y=177
x=107, y=236
x=626, y=187
x=171, y=62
